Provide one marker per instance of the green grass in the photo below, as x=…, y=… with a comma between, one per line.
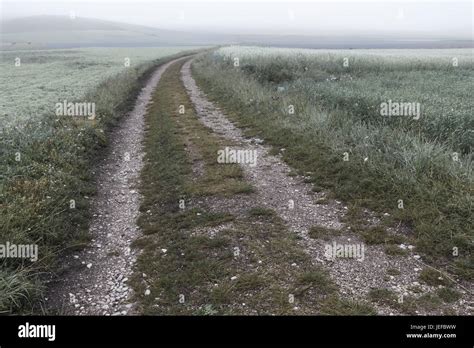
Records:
x=378, y=235
x=57, y=156
x=264, y=212
x=318, y=279
x=373, y=76
x=395, y=250
x=393, y=272
x=433, y=277
x=320, y=232
x=336, y=306
x=406, y=160
x=448, y=295
x=46, y=77
x=383, y=296
x=412, y=305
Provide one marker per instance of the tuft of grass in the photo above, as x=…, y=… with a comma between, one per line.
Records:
x=429, y=302
x=409, y=305
x=383, y=296
x=433, y=277
x=335, y=306
x=318, y=280
x=264, y=212
x=448, y=295
x=395, y=250
x=375, y=235
x=393, y=272
x=250, y=281
x=17, y=288
x=321, y=232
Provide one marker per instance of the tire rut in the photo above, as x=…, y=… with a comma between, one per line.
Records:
x=94, y=280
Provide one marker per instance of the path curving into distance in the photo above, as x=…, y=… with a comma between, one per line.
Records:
x=95, y=280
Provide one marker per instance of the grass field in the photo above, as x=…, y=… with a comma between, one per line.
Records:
x=46, y=161
x=320, y=109
x=45, y=77
x=324, y=109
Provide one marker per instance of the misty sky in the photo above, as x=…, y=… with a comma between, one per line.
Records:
x=441, y=19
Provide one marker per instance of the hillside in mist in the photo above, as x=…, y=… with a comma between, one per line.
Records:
x=63, y=32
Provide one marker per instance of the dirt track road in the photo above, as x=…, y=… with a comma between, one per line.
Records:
x=94, y=281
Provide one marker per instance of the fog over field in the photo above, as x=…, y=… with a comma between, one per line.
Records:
x=316, y=24
x=238, y=158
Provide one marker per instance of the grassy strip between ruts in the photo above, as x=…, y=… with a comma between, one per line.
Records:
x=251, y=264
x=437, y=210
x=46, y=180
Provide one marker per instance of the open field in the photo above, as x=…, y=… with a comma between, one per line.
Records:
x=322, y=111
x=45, y=77
x=387, y=181
x=359, y=80
x=46, y=161
x=236, y=171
